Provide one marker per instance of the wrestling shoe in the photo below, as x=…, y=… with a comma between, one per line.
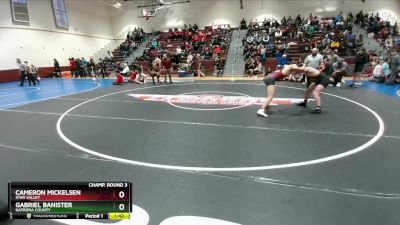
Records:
x=304, y=104
x=261, y=113
x=316, y=111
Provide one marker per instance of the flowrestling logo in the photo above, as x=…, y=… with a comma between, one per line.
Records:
x=219, y=101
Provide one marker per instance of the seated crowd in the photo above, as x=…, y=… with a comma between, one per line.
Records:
x=133, y=39
x=330, y=40
x=288, y=41
x=80, y=67
x=182, y=50
x=385, y=33
x=189, y=47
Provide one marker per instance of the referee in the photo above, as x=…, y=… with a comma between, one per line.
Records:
x=315, y=60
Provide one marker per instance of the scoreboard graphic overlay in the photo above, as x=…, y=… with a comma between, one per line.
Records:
x=62, y=200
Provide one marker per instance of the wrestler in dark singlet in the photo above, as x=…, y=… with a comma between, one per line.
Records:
x=318, y=82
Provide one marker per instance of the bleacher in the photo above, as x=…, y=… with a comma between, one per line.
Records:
x=303, y=49
x=169, y=43
x=118, y=57
x=118, y=54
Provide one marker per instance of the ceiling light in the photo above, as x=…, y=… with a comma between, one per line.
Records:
x=117, y=5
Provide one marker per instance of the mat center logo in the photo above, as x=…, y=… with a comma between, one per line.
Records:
x=214, y=100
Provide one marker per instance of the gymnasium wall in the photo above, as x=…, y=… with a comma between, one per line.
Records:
x=206, y=12
x=42, y=41
x=93, y=24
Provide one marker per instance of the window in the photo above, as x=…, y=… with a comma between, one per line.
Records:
x=19, y=10
x=60, y=13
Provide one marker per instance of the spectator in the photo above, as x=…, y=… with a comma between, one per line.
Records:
x=373, y=58
x=219, y=65
x=385, y=67
x=278, y=55
x=258, y=69
x=197, y=62
x=78, y=68
x=377, y=74
x=395, y=29
x=326, y=41
x=339, y=70
x=57, y=69
x=154, y=44
x=263, y=54
x=298, y=20
x=110, y=56
x=243, y=24
x=350, y=17
x=189, y=59
x=339, y=18
x=329, y=60
x=167, y=66
x=28, y=72
x=72, y=66
x=188, y=47
x=395, y=66
x=217, y=50
x=283, y=21
x=125, y=70
x=22, y=74
x=278, y=34
x=178, y=55
x=84, y=66
x=119, y=66
x=389, y=42
x=195, y=27
x=35, y=74
x=249, y=66
x=361, y=61
x=359, y=41
x=283, y=61
x=92, y=66
x=335, y=44
x=103, y=67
